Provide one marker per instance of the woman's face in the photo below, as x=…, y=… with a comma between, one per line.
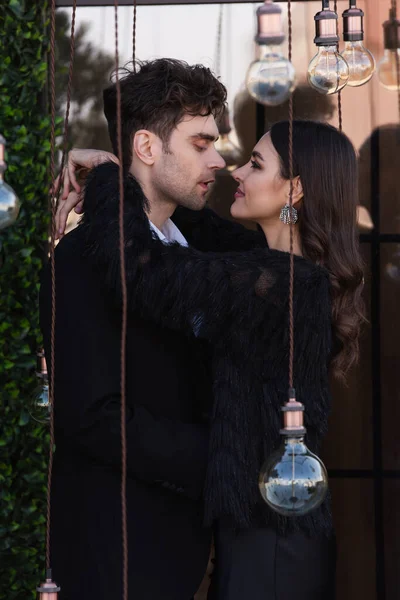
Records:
x=262, y=192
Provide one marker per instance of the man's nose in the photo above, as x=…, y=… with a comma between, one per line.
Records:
x=217, y=162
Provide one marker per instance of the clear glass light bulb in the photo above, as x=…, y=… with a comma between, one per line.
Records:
x=387, y=69
x=364, y=219
x=392, y=268
x=328, y=72
x=229, y=152
x=9, y=205
x=293, y=481
x=40, y=404
x=271, y=79
x=361, y=63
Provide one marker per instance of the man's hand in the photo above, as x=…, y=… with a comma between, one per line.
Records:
x=78, y=160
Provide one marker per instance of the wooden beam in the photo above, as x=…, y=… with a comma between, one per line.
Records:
x=99, y=3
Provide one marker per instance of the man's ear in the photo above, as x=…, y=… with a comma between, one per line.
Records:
x=146, y=146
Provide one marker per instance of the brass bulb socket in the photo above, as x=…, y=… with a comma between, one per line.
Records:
x=326, y=28
x=353, y=26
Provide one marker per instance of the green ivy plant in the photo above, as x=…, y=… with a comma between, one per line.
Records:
x=25, y=123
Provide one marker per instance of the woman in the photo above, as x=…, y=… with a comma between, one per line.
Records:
x=239, y=302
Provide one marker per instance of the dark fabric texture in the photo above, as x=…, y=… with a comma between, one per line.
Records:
x=260, y=564
x=168, y=389
x=239, y=303
x=207, y=231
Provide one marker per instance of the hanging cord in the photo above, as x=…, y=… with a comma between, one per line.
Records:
x=339, y=96
x=394, y=11
x=69, y=90
x=218, y=43
x=339, y=103
x=134, y=35
x=53, y=274
x=54, y=193
x=291, y=274
x=124, y=324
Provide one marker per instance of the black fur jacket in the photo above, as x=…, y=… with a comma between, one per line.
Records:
x=239, y=302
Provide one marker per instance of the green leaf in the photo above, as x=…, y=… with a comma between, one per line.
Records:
x=25, y=123
x=17, y=7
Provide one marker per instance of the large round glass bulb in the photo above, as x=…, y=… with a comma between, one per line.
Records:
x=361, y=63
x=229, y=152
x=9, y=205
x=392, y=268
x=293, y=481
x=271, y=79
x=328, y=72
x=388, y=69
x=40, y=404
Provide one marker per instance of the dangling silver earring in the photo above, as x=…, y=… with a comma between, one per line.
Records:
x=288, y=216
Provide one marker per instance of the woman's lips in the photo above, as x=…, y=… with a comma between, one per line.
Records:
x=239, y=193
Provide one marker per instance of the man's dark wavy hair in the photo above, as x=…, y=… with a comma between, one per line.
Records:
x=157, y=96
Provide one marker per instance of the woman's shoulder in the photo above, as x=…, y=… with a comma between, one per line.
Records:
x=279, y=262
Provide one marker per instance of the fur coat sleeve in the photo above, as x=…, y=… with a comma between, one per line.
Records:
x=183, y=288
x=239, y=302
x=208, y=232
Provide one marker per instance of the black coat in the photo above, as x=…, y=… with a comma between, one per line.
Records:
x=238, y=302
x=168, y=389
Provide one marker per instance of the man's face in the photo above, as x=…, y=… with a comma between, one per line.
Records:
x=185, y=170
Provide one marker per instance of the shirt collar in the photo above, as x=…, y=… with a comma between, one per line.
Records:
x=169, y=233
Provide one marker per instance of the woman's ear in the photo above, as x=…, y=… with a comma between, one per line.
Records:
x=297, y=189
x=297, y=192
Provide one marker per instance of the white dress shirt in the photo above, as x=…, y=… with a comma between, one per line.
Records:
x=169, y=233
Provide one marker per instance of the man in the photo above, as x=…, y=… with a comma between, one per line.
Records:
x=169, y=129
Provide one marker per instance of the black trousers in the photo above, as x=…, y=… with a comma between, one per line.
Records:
x=261, y=565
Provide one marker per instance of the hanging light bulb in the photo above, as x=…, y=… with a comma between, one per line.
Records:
x=360, y=60
x=293, y=481
x=392, y=268
x=40, y=408
x=328, y=72
x=224, y=145
x=48, y=590
x=364, y=219
x=388, y=66
x=271, y=79
x=9, y=203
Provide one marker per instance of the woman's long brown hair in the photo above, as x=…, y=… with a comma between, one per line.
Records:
x=326, y=163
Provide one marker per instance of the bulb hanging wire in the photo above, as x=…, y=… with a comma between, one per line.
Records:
x=224, y=145
x=49, y=590
x=134, y=35
x=124, y=324
x=218, y=43
x=339, y=100
x=292, y=481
